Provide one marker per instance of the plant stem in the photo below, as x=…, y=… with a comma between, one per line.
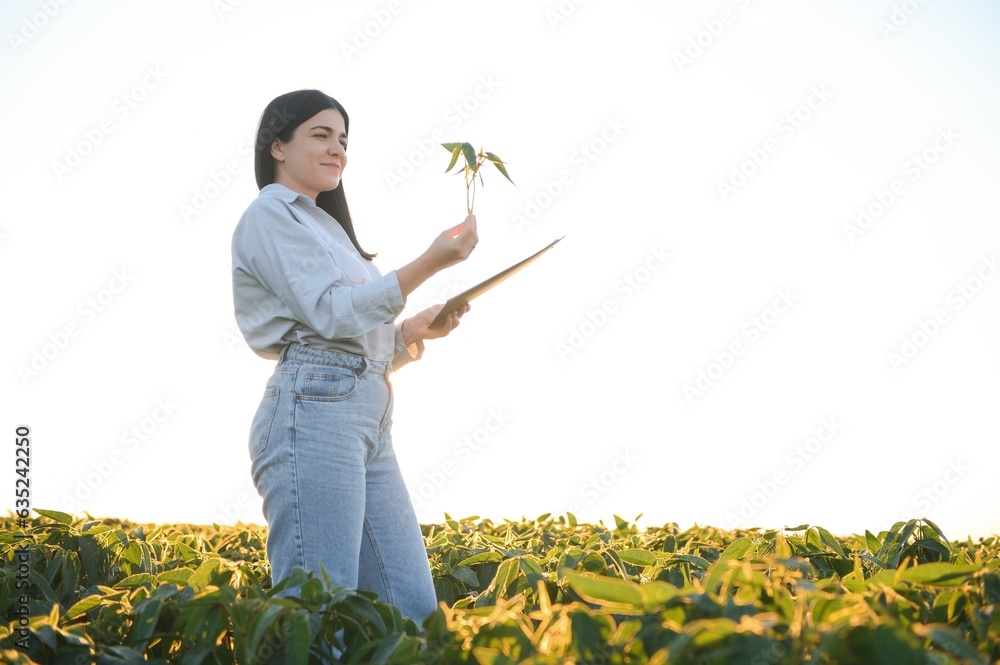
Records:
x=468, y=205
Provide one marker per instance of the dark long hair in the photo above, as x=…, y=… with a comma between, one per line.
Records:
x=279, y=120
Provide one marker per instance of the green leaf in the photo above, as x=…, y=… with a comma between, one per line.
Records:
x=451, y=147
x=466, y=576
x=482, y=557
x=145, y=623
x=827, y=538
x=43, y=586
x=638, y=557
x=470, y=156
x=125, y=655
x=532, y=570
x=938, y=531
x=299, y=637
x=689, y=558
x=939, y=574
x=895, y=645
x=878, y=562
x=83, y=606
x=814, y=542
x=709, y=631
x=948, y=639
x=499, y=164
x=137, y=580
x=133, y=553
x=204, y=575
x=380, y=652
x=454, y=156
x=933, y=545
x=713, y=578
x=259, y=628
x=736, y=549
x=486, y=656
x=176, y=576
x=62, y=518
x=607, y=591
x=506, y=574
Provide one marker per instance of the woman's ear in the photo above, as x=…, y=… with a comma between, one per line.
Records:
x=277, y=150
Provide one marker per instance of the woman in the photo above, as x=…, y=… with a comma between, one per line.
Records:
x=306, y=294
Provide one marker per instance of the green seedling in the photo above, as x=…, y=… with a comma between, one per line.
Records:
x=473, y=162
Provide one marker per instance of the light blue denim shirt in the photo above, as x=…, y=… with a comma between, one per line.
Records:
x=298, y=278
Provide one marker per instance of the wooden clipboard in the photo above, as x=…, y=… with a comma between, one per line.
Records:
x=466, y=296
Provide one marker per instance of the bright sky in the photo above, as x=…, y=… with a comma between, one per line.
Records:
x=722, y=338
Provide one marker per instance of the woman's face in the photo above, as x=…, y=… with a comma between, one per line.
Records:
x=315, y=158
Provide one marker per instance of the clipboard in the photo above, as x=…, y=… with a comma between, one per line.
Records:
x=466, y=296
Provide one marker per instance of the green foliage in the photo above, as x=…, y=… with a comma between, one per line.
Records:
x=548, y=590
x=473, y=162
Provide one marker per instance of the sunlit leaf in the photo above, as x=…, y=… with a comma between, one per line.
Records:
x=940, y=574
x=638, y=557
x=499, y=164
x=60, y=517
x=470, y=156
x=84, y=606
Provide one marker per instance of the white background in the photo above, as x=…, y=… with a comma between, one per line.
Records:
x=121, y=119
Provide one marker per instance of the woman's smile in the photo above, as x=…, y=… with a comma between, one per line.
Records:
x=322, y=137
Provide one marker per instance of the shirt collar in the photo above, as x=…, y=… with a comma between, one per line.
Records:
x=284, y=193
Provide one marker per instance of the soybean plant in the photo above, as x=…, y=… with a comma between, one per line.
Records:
x=473, y=161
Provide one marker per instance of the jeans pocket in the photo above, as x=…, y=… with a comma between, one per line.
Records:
x=331, y=385
x=260, y=429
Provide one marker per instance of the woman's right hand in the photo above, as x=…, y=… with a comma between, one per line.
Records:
x=453, y=245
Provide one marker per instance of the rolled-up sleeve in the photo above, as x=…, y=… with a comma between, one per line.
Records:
x=288, y=259
x=403, y=354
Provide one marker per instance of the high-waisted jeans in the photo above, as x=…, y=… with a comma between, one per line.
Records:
x=323, y=462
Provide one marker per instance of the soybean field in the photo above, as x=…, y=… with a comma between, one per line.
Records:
x=541, y=591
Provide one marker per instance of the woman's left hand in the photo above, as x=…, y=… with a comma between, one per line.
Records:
x=419, y=326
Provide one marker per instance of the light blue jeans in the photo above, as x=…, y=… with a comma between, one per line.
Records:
x=322, y=460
